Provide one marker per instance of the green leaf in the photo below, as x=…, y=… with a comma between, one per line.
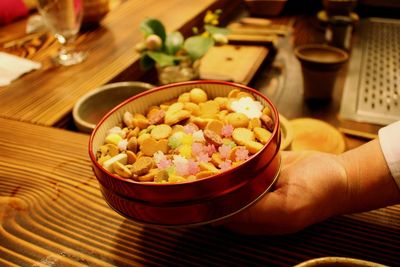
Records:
x=173, y=42
x=146, y=62
x=162, y=59
x=214, y=30
x=153, y=26
x=197, y=46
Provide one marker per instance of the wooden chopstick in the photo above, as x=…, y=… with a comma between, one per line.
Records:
x=365, y=135
x=23, y=39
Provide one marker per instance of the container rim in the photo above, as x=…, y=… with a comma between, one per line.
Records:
x=343, y=54
x=106, y=87
x=172, y=85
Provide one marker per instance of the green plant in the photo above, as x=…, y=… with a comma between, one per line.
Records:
x=166, y=49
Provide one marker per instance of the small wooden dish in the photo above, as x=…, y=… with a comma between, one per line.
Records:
x=313, y=134
x=338, y=262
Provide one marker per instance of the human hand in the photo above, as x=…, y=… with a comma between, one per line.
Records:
x=311, y=187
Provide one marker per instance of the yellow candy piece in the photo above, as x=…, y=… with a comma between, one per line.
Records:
x=254, y=122
x=193, y=108
x=185, y=97
x=215, y=126
x=237, y=120
x=253, y=146
x=103, y=159
x=176, y=179
x=149, y=146
x=244, y=94
x=208, y=108
x=187, y=139
x=207, y=166
x=216, y=159
x=177, y=128
x=122, y=158
x=233, y=93
x=242, y=135
x=113, y=139
x=205, y=174
x=139, y=120
x=161, y=131
x=198, y=95
x=121, y=169
x=262, y=135
x=143, y=137
x=185, y=151
x=200, y=122
x=222, y=101
x=267, y=111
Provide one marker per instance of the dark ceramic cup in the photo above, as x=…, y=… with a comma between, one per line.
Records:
x=320, y=65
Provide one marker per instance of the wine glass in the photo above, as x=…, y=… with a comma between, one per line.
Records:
x=64, y=18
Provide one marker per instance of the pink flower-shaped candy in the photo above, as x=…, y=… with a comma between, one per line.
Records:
x=158, y=156
x=227, y=130
x=198, y=136
x=204, y=157
x=210, y=149
x=225, y=165
x=224, y=151
x=193, y=167
x=197, y=149
x=164, y=163
x=190, y=128
x=242, y=154
x=182, y=169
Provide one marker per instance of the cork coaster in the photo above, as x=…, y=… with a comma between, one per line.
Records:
x=313, y=134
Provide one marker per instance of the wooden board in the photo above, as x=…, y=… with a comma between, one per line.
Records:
x=232, y=63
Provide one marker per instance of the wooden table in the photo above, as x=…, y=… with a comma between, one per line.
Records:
x=47, y=96
x=52, y=213
x=51, y=209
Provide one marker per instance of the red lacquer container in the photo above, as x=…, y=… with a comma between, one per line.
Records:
x=195, y=202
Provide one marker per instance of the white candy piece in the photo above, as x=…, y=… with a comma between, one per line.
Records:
x=122, y=158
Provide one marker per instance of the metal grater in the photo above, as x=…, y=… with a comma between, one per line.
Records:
x=372, y=89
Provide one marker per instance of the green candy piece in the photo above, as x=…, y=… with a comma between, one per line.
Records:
x=175, y=140
x=229, y=143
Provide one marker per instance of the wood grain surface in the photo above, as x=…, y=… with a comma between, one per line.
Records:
x=52, y=214
x=46, y=96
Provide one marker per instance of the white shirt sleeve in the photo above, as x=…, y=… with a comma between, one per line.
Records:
x=389, y=138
